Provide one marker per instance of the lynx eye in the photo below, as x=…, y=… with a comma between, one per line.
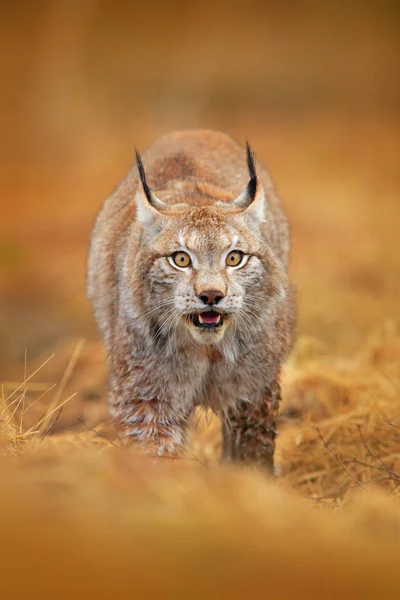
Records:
x=234, y=258
x=181, y=259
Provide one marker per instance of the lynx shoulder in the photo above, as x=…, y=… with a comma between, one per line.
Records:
x=187, y=273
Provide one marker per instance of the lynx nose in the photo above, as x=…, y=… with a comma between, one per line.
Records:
x=211, y=297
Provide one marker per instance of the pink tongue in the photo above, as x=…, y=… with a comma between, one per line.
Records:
x=210, y=317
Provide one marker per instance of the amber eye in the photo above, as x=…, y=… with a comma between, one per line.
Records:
x=234, y=258
x=181, y=259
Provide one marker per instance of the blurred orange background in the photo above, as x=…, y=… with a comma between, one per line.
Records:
x=314, y=86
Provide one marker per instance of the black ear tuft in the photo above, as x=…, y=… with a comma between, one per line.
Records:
x=252, y=185
x=142, y=176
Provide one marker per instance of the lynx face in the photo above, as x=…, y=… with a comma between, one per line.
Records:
x=207, y=270
x=208, y=278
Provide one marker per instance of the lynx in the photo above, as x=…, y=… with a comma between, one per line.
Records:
x=187, y=273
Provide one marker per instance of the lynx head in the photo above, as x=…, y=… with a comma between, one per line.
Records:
x=203, y=268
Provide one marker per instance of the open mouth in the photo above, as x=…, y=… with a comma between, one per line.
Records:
x=207, y=320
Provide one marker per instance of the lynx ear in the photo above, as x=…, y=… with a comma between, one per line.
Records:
x=253, y=198
x=147, y=204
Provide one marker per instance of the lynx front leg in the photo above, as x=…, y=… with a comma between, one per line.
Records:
x=159, y=429
x=249, y=430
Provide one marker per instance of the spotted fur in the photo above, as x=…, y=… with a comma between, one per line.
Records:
x=196, y=195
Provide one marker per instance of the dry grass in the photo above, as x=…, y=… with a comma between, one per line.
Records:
x=347, y=410
x=89, y=519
